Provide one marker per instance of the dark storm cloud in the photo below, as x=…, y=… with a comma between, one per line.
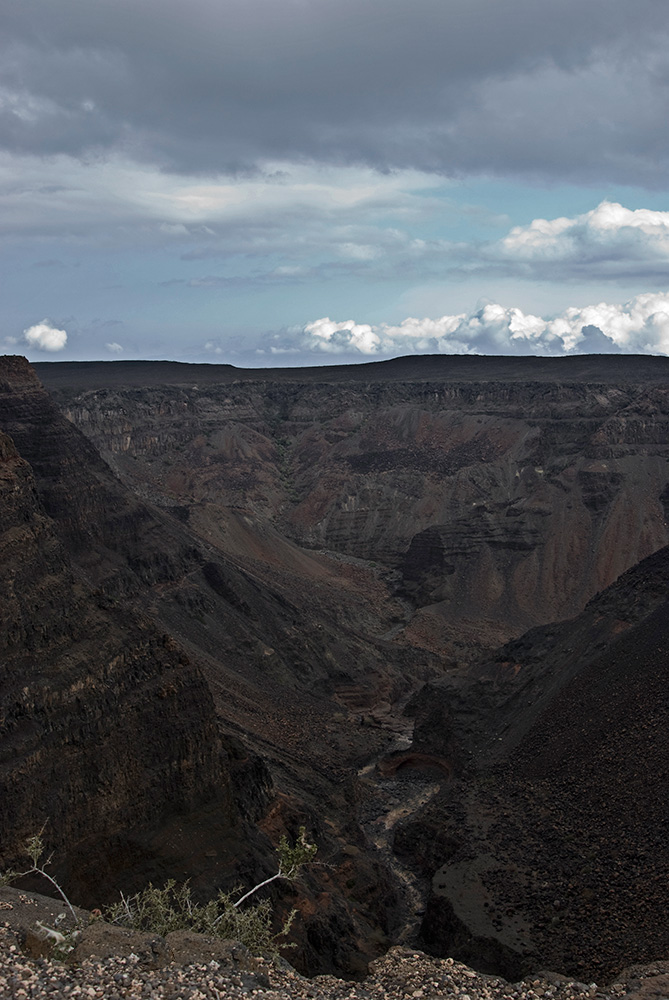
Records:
x=575, y=89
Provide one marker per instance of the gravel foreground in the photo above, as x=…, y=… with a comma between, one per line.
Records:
x=117, y=964
x=401, y=973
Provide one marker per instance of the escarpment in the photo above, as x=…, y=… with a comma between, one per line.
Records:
x=107, y=729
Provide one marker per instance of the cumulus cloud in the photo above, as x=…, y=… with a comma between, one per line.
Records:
x=609, y=240
x=45, y=337
x=334, y=338
x=640, y=326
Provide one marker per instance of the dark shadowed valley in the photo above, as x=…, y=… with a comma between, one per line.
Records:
x=419, y=607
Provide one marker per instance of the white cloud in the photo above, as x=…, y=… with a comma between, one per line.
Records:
x=336, y=219
x=609, y=234
x=300, y=211
x=337, y=337
x=640, y=326
x=114, y=347
x=45, y=337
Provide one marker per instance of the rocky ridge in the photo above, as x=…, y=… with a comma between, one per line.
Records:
x=549, y=844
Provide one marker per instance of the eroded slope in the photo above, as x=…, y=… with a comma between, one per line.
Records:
x=502, y=500
x=550, y=848
x=290, y=678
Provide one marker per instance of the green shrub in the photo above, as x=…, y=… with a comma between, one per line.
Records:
x=173, y=908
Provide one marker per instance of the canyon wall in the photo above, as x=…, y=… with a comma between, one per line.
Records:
x=500, y=501
x=548, y=847
x=107, y=729
x=172, y=711
x=320, y=546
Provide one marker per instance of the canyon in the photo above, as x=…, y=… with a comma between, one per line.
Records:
x=417, y=606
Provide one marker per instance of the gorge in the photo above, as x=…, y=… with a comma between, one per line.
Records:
x=417, y=606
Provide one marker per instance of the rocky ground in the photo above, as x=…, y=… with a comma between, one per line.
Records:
x=230, y=972
x=114, y=963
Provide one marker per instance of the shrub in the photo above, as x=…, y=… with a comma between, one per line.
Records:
x=173, y=908
x=35, y=850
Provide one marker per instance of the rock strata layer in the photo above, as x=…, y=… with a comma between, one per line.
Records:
x=503, y=494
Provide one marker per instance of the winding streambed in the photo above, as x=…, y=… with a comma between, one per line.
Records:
x=385, y=802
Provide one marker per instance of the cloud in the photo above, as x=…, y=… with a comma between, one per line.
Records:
x=115, y=201
x=640, y=326
x=310, y=222
x=114, y=348
x=609, y=241
x=45, y=337
x=336, y=338
x=518, y=88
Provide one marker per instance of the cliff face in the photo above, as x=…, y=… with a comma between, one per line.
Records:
x=549, y=848
x=99, y=522
x=145, y=770
x=498, y=499
x=107, y=730
x=267, y=606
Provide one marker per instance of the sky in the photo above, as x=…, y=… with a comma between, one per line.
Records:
x=331, y=181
